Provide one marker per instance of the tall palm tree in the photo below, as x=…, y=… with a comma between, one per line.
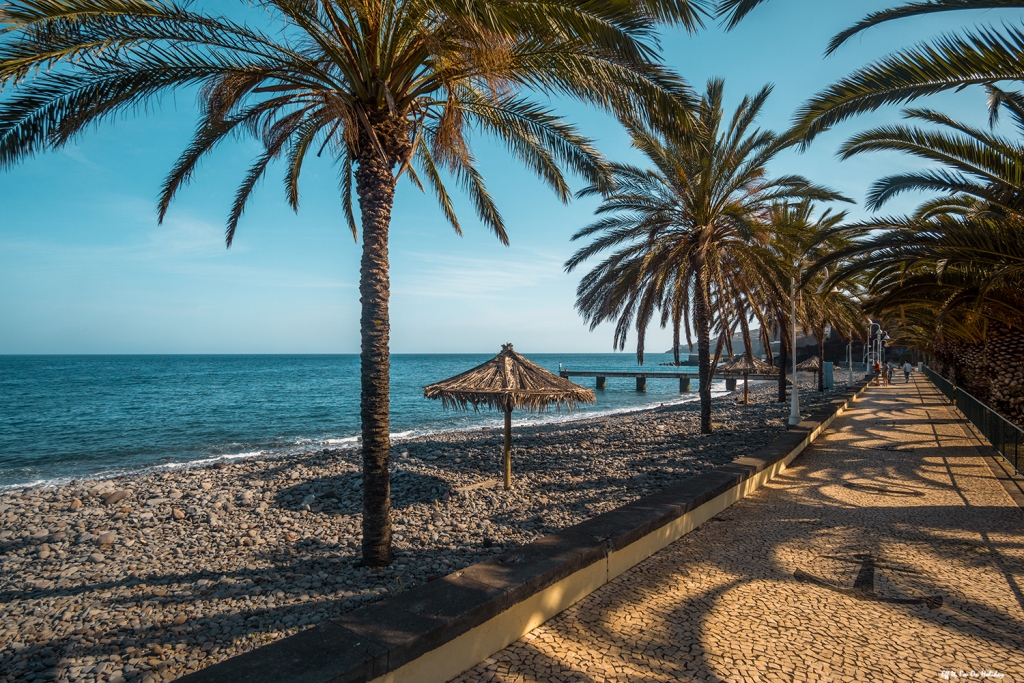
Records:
x=690, y=225
x=822, y=305
x=800, y=237
x=386, y=87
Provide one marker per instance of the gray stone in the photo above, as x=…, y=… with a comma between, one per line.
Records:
x=115, y=497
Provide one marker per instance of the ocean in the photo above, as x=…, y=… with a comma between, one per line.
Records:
x=77, y=417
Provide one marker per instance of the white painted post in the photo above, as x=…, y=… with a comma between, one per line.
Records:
x=794, y=405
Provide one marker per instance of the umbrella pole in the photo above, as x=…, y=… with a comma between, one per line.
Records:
x=507, y=459
x=744, y=388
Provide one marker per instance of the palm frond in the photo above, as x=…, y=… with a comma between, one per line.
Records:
x=981, y=56
x=912, y=9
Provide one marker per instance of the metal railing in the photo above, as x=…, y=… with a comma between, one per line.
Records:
x=1005, y=437
x=942, y=384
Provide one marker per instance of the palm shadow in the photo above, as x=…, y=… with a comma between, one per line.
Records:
x=343, y=494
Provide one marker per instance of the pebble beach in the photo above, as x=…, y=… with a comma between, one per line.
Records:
x=151, y=576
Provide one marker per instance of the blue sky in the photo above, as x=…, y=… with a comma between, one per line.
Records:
x=84, y=267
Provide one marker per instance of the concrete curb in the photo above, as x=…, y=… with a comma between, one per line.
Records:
x=436, y=631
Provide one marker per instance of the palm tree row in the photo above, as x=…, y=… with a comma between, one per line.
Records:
x=946, y=274
x=698, y=234
x=961, y=254
x=949, y=277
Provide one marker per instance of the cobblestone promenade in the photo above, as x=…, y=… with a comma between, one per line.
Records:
x=888, y=552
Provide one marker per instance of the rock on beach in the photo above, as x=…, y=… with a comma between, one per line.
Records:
x=150, y=576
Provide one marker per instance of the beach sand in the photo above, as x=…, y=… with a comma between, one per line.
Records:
x=150, y=576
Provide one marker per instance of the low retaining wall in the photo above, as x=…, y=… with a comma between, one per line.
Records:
x=436, y=631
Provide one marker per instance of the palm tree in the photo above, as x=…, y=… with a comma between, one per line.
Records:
x=948, y=279
x=386, y=87
x=689, y=227
x=982, y=56
x=951, y=286
x=961, y=253
x=805, y=238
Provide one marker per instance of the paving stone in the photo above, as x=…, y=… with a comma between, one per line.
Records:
x=834, y=571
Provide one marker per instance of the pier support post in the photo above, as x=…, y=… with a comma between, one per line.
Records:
x=684, y=384
x=641, y=383
x=730, y=384
x=601, y=382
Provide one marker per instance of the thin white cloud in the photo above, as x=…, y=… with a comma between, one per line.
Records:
x=75, y=153
x=181, y=246
x=461, y=277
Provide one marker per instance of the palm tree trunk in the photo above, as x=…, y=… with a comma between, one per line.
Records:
x=766, y=341
x=783, y=364
x=375, y=185
x=703, y=324
x=675, y=339
x=748, y=343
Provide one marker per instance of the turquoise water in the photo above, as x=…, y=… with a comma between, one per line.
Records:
x=72, y=417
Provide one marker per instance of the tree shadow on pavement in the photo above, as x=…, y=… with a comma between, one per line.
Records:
x=730, y=594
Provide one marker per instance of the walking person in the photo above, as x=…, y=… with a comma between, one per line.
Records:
x=890, y=368
x=907, y=369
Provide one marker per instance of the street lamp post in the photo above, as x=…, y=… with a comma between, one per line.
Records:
x=874, y=343
x=883, y=343
x=794, y=405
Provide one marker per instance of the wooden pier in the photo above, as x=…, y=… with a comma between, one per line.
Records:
x=642, y=376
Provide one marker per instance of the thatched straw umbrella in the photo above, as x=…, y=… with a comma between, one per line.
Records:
x=506, y=382
x=749, y=366
x=812, y=364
